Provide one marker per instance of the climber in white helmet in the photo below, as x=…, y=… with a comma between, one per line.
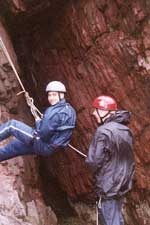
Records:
x=51, y=133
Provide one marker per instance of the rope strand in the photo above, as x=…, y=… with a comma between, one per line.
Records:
x=76, y=150
x=30, y=100
x=11, y=63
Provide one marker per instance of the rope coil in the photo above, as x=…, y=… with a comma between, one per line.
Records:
x=34, y=110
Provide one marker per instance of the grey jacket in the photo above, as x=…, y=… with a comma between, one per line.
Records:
x=110, y=156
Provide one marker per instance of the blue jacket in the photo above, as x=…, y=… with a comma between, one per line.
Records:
x=57, y=124
x=111, y=157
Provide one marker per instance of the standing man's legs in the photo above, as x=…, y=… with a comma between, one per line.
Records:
x=13, y=149
x=111, y=211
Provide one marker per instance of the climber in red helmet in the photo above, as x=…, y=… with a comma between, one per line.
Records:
x=111, y=159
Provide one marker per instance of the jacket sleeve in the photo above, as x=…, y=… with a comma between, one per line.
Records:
x=96, y=154
x=46, y=127
x=37, y=124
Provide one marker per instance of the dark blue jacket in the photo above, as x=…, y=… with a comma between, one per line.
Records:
x=57, y=124
x=111, y=157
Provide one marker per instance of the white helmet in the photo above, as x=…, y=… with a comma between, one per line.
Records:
x=56, y=86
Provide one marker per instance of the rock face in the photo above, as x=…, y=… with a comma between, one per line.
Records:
x=94, y=47
x=21, y=202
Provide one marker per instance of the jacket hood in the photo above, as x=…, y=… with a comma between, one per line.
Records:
x=121, y=116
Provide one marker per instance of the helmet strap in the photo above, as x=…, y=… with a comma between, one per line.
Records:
x=59, y=96
x=102, y=117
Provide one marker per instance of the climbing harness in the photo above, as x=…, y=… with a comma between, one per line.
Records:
x=34, y=110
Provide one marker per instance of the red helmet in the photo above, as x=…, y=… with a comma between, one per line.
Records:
x=105, y=103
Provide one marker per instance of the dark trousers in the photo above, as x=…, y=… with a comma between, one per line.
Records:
x=110, y=212
x=25, y=143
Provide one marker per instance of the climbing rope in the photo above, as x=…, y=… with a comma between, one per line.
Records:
x=97, y=222
x=34, y=110
x=11, y=63
x=76, y=150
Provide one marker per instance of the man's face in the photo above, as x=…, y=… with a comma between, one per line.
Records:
x=53, y=97
x=97, y=113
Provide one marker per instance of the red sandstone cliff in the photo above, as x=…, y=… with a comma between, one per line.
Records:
x=94, y=47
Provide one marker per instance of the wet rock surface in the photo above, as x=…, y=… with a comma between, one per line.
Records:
x=94, y=47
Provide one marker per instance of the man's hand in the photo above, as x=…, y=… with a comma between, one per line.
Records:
x=37, y=118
